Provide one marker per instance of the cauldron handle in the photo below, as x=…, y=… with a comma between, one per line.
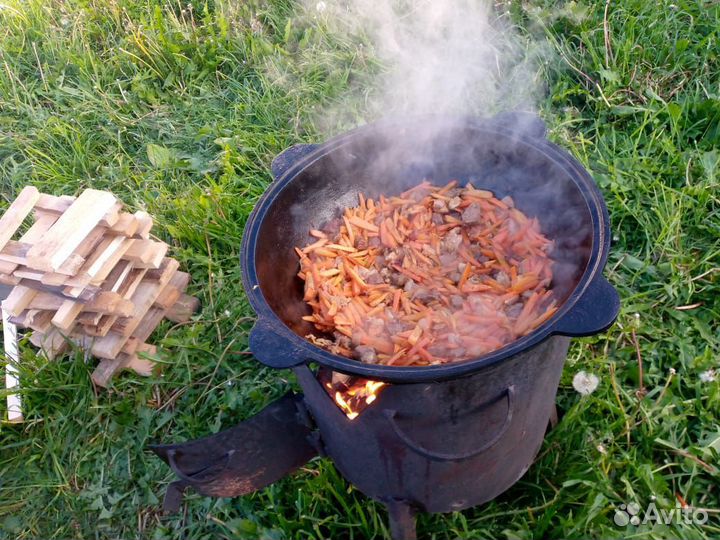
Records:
x=594, y=312
x=272, y=350
x=442, y=456
x=288, y=157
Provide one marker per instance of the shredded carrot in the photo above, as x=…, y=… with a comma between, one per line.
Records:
x=433, y=275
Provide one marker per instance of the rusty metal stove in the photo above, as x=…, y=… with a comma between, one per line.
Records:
x=438, y=438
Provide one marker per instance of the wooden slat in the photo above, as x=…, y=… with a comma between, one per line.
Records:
x=143, y=366
x=15, y=252
x=12, y=382
x=145, y=224
x=50, y=204
x=52, y=343
x=117, y=276
x=148, y=324
x=146, y=253
x=183, y=309
x=14, y=216
x=108, y=368
x=44, y=300
x=18, y=300
x=9, y=280
x=70, y=229
x=7, y=267
x=127, y=225
x=65, y=316
x=110, y=345
x=99, y=265
x=91, y=320
x=38, y=320
x=82, y=252
x=127, y=290
x=42, y=223
x=87, y=294
x=171, y=293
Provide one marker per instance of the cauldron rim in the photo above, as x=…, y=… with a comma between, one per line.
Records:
x=290, y=349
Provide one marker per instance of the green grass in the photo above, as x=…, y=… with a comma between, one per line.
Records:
x=179, y=111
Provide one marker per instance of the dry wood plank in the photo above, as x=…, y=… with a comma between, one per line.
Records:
x=54, y=278
x=18, y=300
x=146, y=295
x=45, y=300
x=99, y=265
x=42, y=223
x=49, y=204
x=15, y=252
x=90, y=319
x=14, y=216
x=88, y=293
x=12, y=382
x=7, y=267
x=146, y=253
x=82, y=252
x=109, y=346
x=130, y=346
x=38, y=320
x=9, y=280
x=70, y=229
x=143, y=366
x=183, y=309
x=69, y=268
x=110, y=303
x=127, y=290
x=114, y=281
x=117, y=276
x=171, y=293
x=106, y=369
x=92, y=315
x=51, y=343
x=148, y=324
x=127, y=225
x=65, y=316
x=145, y=224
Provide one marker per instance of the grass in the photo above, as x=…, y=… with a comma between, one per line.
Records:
x=179, y=110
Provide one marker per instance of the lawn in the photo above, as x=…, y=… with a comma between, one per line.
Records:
x=179, y=110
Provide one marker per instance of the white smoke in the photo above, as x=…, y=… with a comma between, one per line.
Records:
x=440, y=56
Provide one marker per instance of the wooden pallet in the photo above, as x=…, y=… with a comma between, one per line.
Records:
x=86, y=272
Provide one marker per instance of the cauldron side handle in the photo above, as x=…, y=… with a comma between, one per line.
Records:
x=289, y=157
x=273, y=350
x=594, y=312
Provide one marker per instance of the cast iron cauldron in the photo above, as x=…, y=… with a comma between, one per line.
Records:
x=507, y=154
x=439, y=438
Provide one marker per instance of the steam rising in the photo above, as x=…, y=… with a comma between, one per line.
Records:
x=440, y=56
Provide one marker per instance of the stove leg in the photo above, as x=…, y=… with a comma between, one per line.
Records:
x=173, y=497
x=402, y=520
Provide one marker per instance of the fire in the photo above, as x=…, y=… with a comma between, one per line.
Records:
x=353, y=394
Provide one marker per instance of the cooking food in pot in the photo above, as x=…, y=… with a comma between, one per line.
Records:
x=431, y=276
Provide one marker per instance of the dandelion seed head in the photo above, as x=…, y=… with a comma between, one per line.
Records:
x=585, y=383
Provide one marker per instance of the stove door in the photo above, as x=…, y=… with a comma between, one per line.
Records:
x=244, y=458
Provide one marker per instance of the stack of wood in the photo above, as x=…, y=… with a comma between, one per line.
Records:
x=85, y=272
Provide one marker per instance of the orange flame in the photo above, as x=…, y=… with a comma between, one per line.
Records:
x=354, y=395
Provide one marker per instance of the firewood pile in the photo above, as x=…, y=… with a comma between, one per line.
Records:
x=84, y=271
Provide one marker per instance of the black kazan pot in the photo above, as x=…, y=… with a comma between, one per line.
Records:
x=438, y=438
